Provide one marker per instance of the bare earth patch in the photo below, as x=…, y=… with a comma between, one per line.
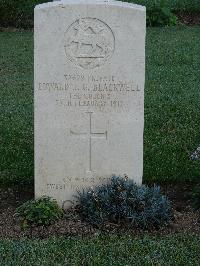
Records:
x=188, y=18
x=186, y=219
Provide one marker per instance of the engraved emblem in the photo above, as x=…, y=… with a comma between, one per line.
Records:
x=89, y=42
x=91, y=135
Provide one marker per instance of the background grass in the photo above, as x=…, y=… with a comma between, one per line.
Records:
x=113, y=250
x=16, y=108
x=20, y=13
x=172, y=109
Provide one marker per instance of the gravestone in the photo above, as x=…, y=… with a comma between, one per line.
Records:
x=89, y=95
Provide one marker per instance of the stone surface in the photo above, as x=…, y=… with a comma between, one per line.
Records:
x=89, y=89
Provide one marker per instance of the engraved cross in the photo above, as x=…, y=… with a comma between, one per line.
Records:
x=91, y=135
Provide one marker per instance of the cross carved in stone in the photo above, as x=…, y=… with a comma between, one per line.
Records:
x=90, y=135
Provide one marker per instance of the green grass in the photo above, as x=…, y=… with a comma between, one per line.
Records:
x=172, y=108
x=114, y=250
x=16, y=108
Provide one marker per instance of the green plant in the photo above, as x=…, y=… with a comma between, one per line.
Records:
x=42, y=211
x=178, y=5
x=18, y=13
x=195, y=195
x=160, y=15
x=122, y=200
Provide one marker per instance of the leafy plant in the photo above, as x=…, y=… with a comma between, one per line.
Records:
x=196, y=196
x=160, y=15
x=122, y=200
x=42, y=211
x=18, y=13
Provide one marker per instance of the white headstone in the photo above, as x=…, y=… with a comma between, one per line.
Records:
x=89, y=95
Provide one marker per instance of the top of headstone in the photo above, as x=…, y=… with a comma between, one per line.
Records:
x=96, y=2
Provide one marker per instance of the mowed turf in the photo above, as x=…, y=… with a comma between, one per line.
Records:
x=16, y=108
x=172, y=106
x=107, y=250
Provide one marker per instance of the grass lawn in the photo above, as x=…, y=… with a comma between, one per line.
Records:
x=172, y=109
x=114, y=250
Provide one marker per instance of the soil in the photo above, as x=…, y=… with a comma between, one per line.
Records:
x=188, y=18
x=186, y=219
